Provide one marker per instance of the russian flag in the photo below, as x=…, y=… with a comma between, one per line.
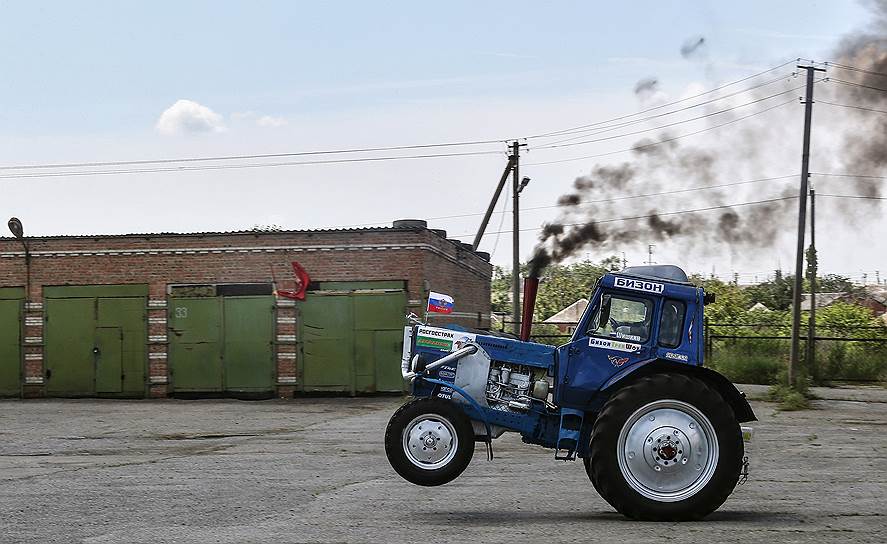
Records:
x=439, y=303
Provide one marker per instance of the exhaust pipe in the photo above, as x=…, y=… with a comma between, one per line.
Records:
x=531, y=286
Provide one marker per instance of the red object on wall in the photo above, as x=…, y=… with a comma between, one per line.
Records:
x=302, y=280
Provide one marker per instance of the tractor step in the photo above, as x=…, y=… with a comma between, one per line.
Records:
x=568, y=434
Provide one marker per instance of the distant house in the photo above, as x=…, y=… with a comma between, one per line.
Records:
x=567, y=319
x=822, y=300
x=759, y=307
x=873, y=297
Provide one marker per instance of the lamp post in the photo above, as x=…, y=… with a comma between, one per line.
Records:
x=17, y=230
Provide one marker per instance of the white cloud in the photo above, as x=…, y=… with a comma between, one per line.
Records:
x=269, y=121
x=187, y=116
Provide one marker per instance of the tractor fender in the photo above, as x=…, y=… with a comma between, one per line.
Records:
x=718, y=381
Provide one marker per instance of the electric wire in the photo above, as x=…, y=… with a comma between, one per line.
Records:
x=499, y=233
x=850, y=106
x=852, y=84
x=654, y=108
x=660, y=142
x=607, y=128
x=259, y=156
x=244, y=157
x=843, y=175
x=675, y=123
x=854, y=68
x=586, y=202
x=660, y=214
x=240, y=166
x=861, y=197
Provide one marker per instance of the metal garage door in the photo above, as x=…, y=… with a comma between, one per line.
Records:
x=351, y=340
x=10, y=340
x=222, y=344
x=95, y=340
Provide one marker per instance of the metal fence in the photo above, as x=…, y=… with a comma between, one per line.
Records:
x=759, y=352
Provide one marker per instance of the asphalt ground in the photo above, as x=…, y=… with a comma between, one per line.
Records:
x=314, y=470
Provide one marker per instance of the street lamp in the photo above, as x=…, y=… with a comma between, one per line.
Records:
x=17, y=230
x=15, y=227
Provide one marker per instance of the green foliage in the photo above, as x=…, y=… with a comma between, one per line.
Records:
x=848, y=318
x=789, y=399
x=775, y=294
x=749, y=361
x=545, y=333
x=731, y=301
x=560, y=286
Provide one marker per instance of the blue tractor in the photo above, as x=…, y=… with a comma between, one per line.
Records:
x=658, y=432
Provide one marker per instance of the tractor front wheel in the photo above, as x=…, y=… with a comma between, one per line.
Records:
x=666, y=447
x=429, y=441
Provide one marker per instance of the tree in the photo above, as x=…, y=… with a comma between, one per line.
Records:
x=775, y=294
x=560, y=285
x=731, y=301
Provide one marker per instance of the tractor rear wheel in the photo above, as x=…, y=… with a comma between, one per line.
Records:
x=429, y=441
x=665, y=448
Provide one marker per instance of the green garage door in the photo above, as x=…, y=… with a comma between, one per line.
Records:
x=222, y=344
x=95, y=340
x=10, y=340
x=352, y=340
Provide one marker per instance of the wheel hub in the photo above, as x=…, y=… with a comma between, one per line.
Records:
x=430, y=441
x=667, y=450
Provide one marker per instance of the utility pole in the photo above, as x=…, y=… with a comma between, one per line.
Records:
x=813, y=265
x=650, y=254
x=802, y=219
x=516, y=186
x=493, y=202
x=624, y=261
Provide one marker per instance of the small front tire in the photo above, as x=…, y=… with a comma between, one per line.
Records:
x=429, y=441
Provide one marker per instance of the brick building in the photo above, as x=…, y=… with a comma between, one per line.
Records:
x=166, y=314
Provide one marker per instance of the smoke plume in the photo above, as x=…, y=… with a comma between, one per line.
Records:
x=588, y=212
x=693, y=46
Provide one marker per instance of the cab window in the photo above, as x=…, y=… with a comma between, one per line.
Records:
x=671, y=323
x=623, y=318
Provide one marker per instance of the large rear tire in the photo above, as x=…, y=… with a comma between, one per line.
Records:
x=429, y=441
x=665, y=448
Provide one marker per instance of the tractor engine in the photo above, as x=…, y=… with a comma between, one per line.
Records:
x=512, y=387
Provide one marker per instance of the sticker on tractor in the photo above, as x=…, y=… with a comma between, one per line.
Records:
x=677, y=356
x=435, y=343
x=613, y=344
x=623, y=336
x=617, y=361
x=428, y=337
x=639, y=285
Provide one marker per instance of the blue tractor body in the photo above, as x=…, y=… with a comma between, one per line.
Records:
x=638, y=321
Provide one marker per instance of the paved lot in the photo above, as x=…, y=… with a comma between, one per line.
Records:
x=314, y=470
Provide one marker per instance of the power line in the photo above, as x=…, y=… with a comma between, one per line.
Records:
x=143, y=162
x=678, y=212
x=602, y=129
x=660, y=142
x=852, y=84
x=850, y=106
x=860, y=176
x=730, y=84
x=712, y=114
x=244, y=157
x=854, y=69
x=241, y=166
x=863, y=197
x=585, y=202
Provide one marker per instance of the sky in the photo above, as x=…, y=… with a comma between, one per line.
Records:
x=112, y=81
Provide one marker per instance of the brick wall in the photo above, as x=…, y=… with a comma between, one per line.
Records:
x=422, y=258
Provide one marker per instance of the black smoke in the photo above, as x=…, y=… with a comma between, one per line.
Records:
x=585, y=212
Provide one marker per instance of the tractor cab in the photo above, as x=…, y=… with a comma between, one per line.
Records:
x=637, y=315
